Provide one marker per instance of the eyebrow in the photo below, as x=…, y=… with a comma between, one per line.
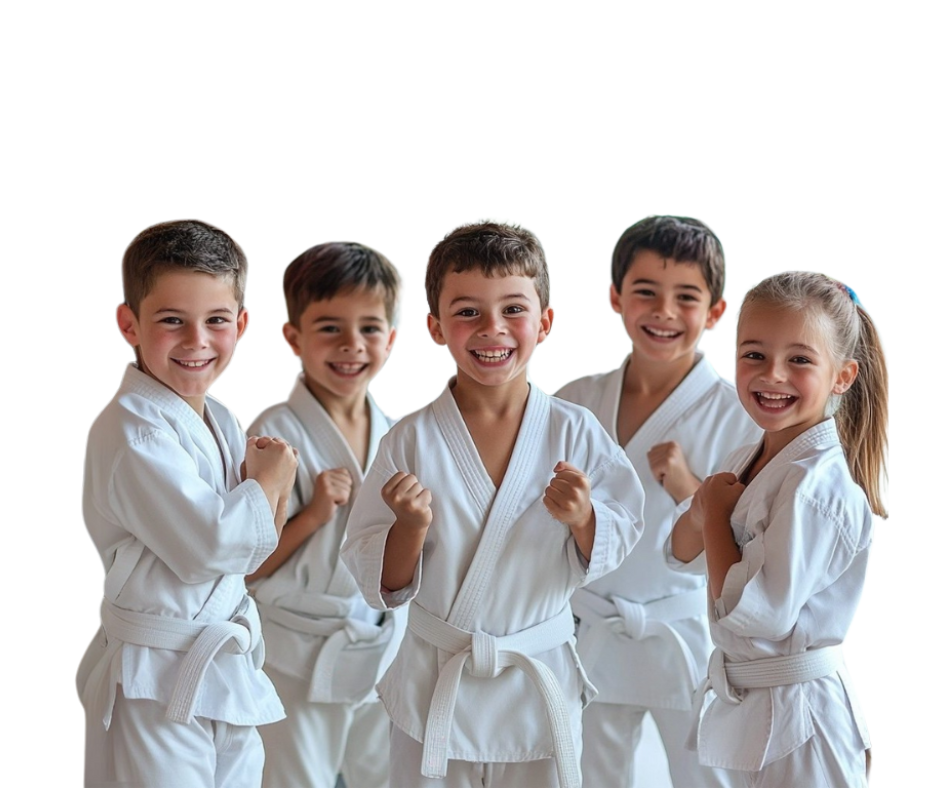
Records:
x=173, y=310
x=696, y=288
x=331, y=319
x=795, y=346
x=507, y=297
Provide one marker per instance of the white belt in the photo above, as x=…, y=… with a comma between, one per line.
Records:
x=725, y=678
x=339, y=633
x=240, y=635
x=637, y=620
x=486, y=655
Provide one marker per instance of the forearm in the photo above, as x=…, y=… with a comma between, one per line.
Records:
x=721, y=552
x=584, y=535
x=687, y=542
x=403, y=548
x=296, y=531
x=681, y=485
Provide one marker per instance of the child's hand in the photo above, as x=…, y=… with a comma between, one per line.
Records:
x=715, y=500
x=668, y=464
x=331, y=489
x=410, y=502
x=272, y=462
x=568, y=497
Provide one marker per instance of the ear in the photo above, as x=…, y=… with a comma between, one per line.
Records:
x=545, y=323
x=434, y=328
x=615, y=299
x=392, y=334
x=128, y=325
x=846, y=377
x=291, y=334
x=715, y=311
x=241, y=322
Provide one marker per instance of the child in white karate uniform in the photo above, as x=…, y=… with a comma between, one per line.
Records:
x=326, y=648
x=643, y=633
x=784, y=535
x=487, y=508
x=180, y=509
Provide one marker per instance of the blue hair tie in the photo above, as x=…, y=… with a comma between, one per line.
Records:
x=850, y=293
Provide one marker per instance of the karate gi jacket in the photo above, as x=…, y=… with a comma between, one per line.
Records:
x=311, y=599
x=494, y=561
x=177, y=530
x=666, y=659
x=804, y=528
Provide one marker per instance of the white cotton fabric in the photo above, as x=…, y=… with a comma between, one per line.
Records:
x=494, y=561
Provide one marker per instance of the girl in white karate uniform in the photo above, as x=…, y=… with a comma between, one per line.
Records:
x=784, y=535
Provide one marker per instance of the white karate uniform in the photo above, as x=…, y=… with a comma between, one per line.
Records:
x=804, y=529
x=499, y=570
x=326, y=648
x=643, y=634
x=177, y=531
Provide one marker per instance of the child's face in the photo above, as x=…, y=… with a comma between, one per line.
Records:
x=665, y=307
x=785, y=375
x=342, y=343
x=490, y=325
x=186, y=331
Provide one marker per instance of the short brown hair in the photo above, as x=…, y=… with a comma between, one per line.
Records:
x=495, y=249
x=328, y=269
x=681, y=238
x=188, y=245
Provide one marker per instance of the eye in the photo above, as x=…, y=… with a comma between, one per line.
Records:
x=173, y=321
x=371, y=329
x=801, y=360
x=514, y=310
x=329, y=329
x=468, y=312
x=217, y=320
x=689, y=298
x=643, y=292
x=753, y=355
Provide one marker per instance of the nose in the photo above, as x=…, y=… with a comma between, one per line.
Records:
x=663, y=306
x=351, y=342
x=491, y=324
x=774, y=370
x=196, y=336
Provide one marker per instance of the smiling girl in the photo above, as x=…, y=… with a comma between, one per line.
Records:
x=784, y=536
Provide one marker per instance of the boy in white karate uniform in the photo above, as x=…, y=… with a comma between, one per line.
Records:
x=326, y=648
x=487, y=508
x=180, y=509
x=643, y=635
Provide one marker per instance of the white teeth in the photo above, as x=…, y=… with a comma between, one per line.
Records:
x=492, y=355
x=658, y=332
x=774, y=396
x=193, y=364
x=348, y=369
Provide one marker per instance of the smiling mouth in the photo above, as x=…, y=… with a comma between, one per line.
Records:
x=770, y=401
x=347, y=369
x=199, y=363
x=492, y=356
x=661, y=333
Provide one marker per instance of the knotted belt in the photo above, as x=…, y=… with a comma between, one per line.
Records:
x=201, y=642
x=726, y=678
x=486, y=656
x=636, y=620
x=339, y=633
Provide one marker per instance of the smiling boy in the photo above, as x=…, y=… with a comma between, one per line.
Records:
x=326, y=648
x=487, y=508
x=643, y=636
x=180, y=509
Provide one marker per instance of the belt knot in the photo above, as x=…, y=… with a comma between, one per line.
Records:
x=633, y=615
x=484, y=655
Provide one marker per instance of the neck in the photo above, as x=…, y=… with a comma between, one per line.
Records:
x=348, y=408
x=647, y=377
x=495, y=401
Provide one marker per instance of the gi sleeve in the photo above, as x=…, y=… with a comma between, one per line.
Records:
x=157, y=494
x=363, y=552
x=617, y=497
x=806, y=545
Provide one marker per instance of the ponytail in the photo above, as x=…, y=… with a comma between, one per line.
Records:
x=862, y=416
